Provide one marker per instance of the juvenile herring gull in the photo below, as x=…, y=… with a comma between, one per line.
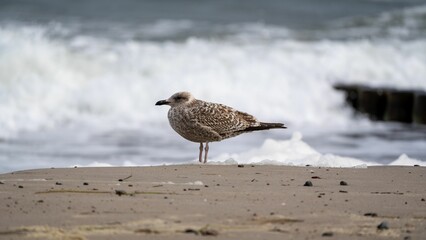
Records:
x=204, y=122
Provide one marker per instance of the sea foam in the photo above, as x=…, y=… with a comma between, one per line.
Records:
x=293, y=152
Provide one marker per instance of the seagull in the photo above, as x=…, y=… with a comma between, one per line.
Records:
x=203, y=122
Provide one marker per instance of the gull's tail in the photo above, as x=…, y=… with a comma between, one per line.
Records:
x=265, y=126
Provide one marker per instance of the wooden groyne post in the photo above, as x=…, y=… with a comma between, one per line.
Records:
x=386, y=104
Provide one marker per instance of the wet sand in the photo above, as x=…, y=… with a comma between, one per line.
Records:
x=215, y=202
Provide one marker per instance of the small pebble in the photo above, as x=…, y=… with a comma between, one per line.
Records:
x=120, y=192
x=343, y=183
x=343, y=191
x=316, y=177
x=1, y=182
x=240, y=165
x=327, y=234
x=20, y=186
x=40, y=201
x=407, y=238
x=383, y=225
x=308, y=184
x=190, y=230
x=416, y=165
x=58, y=183
x=86, y=183
x=370, y=214
x=423, y=200
x=130, y=185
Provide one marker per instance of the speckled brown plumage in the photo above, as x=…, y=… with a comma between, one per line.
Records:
x=204, y=122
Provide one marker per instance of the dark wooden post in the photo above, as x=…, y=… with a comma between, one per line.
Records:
x=400, y=106
x=372, y=102
x=419, y=110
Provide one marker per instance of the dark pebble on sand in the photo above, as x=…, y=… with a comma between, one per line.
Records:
x=1, y=182
x=120, y=192
x=423, y=200
x=20, y=186
x=130, y=185
x=370, y=214
x=343, y=191
x=240, y=165
x=58, y=183
x=40, y=201
x=407, y=238
x=86, y=183
x=327, y=234
x=120, y=180
x=416, y=165
x=343, y=183
x=190, y=230
x=308, y=184
x=206, y=185
x=315, y=177
x=383, y=225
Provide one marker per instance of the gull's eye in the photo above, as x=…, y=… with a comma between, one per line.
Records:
x=178, y=98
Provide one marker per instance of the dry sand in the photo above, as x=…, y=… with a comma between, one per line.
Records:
x=214, y=202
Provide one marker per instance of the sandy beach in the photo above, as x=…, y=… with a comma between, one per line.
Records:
x=214, y=201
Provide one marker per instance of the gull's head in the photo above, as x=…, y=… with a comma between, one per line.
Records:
x=177, y=99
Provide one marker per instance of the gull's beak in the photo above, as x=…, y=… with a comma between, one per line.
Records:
x=162, y=102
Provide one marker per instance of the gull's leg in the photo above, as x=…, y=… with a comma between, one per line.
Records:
x=207, y=151
x=201, y=152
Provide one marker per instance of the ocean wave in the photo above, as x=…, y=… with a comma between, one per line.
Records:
x=46, y=82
